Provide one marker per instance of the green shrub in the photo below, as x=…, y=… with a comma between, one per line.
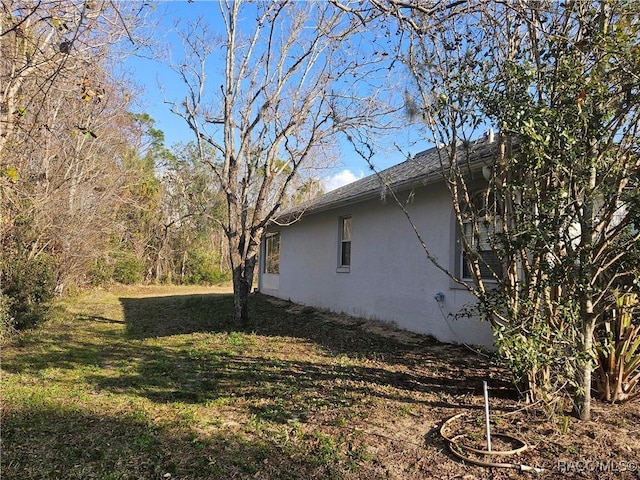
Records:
x=101, y=272
x=128, y=269
x=202, y=268
x=618, y=348
x=6, y=320
x=28, y=285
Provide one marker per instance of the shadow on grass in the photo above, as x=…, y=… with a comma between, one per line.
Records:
x=164, y=352
x=276, y=390
x=175, y=315
x=178, y=314
x=48, y=442
x=459, y=371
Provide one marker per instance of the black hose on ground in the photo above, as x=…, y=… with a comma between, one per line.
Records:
x=461, y=450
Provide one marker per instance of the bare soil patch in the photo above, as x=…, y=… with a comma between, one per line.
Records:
x=558, y=444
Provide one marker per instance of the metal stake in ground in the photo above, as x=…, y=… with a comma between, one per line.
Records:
x=486, y=414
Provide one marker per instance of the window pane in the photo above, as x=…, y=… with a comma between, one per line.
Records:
x=272, y=254
x=345, y=242
x=346, y=229
x=345, y=256
x=488, y=263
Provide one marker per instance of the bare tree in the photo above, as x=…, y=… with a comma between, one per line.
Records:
x=291, y=81
x=63, y=127
x=48, y=43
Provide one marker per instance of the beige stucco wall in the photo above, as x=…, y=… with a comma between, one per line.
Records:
x=390, y=277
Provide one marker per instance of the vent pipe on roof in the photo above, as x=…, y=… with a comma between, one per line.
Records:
x=489, y=135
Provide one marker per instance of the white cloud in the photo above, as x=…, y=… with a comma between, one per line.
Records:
x=339, y=179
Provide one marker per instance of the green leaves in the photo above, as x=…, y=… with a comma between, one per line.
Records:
x=561, y=86
x=11, y=173
x=619, y=352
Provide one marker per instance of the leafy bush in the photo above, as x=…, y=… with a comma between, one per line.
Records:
x=202, y=268
x=28, y=285
x=102, y=271
x=6, y=320
x=128, y=269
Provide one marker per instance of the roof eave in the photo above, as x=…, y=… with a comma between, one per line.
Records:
x=428, y=179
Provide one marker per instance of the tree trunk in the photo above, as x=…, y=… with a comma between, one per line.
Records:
x=582, y=399
x=242, y=282
x=241, y=289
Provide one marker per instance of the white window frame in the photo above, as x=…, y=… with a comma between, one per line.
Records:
x=344, y=243
x=272, y=242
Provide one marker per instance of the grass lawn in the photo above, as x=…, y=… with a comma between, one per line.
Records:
x=158, y=383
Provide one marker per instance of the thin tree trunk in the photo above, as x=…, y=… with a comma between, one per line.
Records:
x=582, y=402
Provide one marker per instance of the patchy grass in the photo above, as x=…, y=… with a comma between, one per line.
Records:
x=158, y=383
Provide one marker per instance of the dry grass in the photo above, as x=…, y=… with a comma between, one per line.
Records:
x=158, y=383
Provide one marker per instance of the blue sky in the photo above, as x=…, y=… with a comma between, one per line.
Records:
x=159, y=83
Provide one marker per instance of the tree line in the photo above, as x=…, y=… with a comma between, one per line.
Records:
x=90, y=193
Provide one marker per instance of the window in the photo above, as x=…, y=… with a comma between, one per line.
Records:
x=345, y=242
x=272, y=253
x=477, y=228
x=488, y=261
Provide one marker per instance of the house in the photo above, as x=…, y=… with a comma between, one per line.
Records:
x=354, y=251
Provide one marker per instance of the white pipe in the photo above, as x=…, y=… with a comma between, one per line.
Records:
x=486, y=414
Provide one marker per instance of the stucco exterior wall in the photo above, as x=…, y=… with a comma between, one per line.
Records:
x=390, y=277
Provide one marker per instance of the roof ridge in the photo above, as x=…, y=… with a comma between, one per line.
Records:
x=419, y=167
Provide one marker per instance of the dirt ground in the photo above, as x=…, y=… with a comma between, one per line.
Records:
x=447, y=381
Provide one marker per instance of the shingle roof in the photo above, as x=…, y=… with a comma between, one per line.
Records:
x=422, y=169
